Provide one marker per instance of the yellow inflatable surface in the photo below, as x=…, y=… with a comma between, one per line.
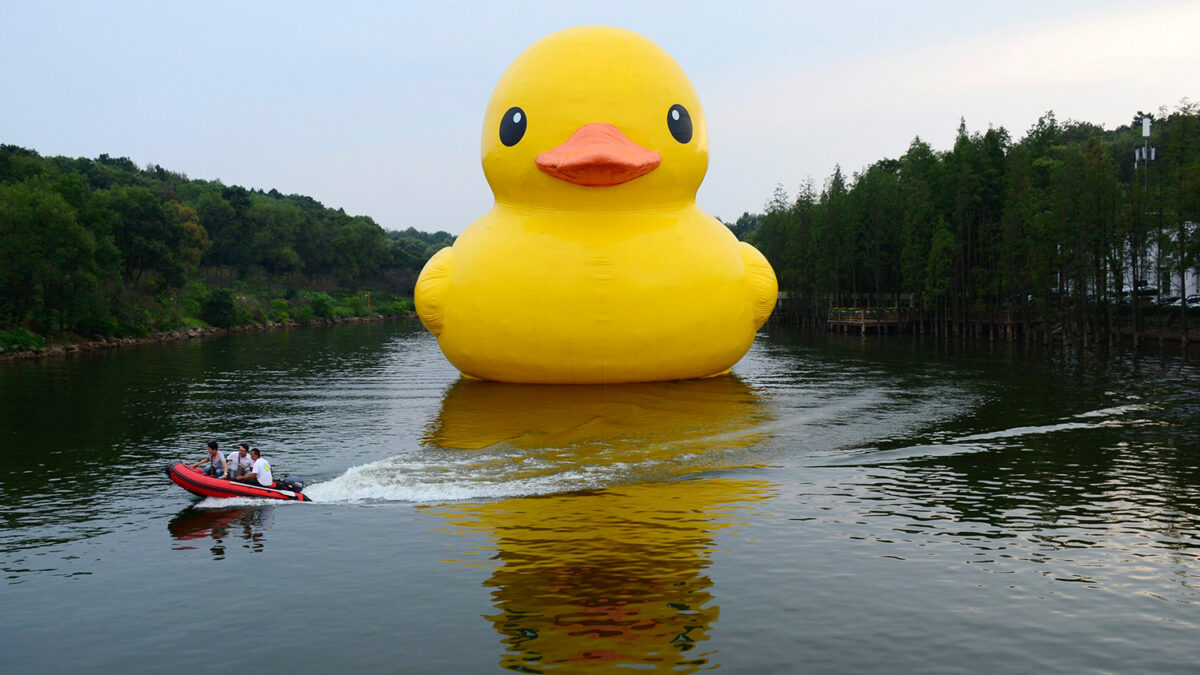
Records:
x=595, y=265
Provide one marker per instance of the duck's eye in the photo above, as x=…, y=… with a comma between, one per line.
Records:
x=680, y=123
x=512, y=126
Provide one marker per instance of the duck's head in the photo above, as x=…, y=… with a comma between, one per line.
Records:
x=594, y=118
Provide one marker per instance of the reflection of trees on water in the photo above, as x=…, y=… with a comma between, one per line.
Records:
x=607, y=578
x=1078, y=494
x=1072, y=478
x=224, y=526
x=1103, y=451
x=127, y=409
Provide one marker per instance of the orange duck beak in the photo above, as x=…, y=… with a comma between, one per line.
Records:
x=598, y=155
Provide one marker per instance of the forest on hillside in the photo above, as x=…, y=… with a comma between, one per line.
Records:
x=1057, y=231
x=104, y=248
x=1057, y=228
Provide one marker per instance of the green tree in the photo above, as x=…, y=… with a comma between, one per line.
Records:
x=918, y=180
x=156, y=246
x=939, y=281
x=48, y=272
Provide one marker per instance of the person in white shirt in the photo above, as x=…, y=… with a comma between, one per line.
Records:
x=239, y=461
x=260, y=473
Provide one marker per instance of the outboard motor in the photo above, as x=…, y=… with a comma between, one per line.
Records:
x=290, y=483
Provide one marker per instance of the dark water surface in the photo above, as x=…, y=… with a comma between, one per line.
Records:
x=836, y=505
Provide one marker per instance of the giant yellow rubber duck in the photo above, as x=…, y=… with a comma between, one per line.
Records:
x=595, y=265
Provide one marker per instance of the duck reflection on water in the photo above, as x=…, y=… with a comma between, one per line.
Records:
x=623, y=421
x=613, y=576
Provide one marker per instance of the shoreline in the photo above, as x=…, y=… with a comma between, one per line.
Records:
x=1151, y=335
x=111, y=343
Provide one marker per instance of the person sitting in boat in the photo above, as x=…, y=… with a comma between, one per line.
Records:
x=216, y=462
x=239, y=462
x=260, y=473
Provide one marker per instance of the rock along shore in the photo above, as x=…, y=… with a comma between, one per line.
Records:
x=106, y=343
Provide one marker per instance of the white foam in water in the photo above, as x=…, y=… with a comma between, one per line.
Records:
x=1119, y=410
x=1025, y=431
x=910, y=453
x=226, y=502
x=437, y=477
x=1104, y=416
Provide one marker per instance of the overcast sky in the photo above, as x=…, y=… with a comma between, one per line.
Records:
x=376, y=107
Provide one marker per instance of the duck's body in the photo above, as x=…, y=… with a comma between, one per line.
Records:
x=595, y=265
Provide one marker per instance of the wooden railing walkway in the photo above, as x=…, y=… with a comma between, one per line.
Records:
x=874, y=318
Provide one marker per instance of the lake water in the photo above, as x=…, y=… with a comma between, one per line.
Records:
x=835, y=505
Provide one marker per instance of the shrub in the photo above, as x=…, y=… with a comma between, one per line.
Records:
x=189, y=307
x=355, y=305
x=218, y=309
x=402, y=306
x=133, y=320
x=279, y=310
x=99, y=325
x=249, y=309
x=322, y=304
x=191, y=299
x=19, y=339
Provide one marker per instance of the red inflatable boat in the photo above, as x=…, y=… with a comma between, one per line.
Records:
x=194, y=481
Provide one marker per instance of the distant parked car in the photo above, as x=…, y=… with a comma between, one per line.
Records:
x=1144, y=299
x=1191, y=302
x=1147, y=296
x=1170, y=301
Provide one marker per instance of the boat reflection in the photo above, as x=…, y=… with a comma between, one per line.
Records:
x=224, y=526
x=616, y=576
x=607, y=578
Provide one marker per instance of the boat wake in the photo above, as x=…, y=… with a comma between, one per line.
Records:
x=504, y=470
x=1129, y=415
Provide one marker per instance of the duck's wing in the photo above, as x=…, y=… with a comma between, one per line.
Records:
x=430, y=293
x=764, y=289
